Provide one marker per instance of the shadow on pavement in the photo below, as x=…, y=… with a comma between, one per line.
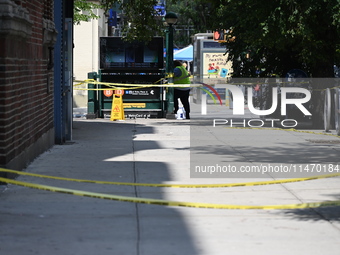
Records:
x=331, y=214
x=54, y=223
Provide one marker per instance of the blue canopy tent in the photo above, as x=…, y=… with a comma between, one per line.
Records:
x=185, y=54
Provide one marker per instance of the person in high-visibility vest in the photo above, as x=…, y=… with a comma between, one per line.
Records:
x=181, y=76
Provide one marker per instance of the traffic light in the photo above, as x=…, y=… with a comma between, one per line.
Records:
x=220, y=35
x=223, y=35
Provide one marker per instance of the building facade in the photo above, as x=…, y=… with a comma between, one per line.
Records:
x=27, y=39
x=86, y=53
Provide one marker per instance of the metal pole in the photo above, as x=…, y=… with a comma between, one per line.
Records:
x=68, y=85
x=59, y=78
x=169, y=70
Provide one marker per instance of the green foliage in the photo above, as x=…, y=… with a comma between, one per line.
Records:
x=280, y=35
x=275, y=36
x=195, y=13
x=140, y=20
x=193, y=17
x=83, y=11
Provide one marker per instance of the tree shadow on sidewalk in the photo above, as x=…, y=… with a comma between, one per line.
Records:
x=331, y=213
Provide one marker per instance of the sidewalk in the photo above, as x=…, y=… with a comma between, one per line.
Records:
x=158, y=151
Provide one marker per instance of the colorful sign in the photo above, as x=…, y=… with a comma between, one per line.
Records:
x=216, y=65
x=119, y=92
x=108, y=92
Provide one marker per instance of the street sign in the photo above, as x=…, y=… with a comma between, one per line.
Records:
x=108, y=92
x=119, y=92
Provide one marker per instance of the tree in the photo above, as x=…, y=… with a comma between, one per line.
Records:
x=83, y=11
x=277, y=33
x=280, y=35
x=193, y=17
x=140, y=19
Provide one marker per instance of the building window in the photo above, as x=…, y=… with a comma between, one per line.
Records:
x=48, y=9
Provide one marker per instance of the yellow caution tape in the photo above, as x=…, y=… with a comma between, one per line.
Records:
x=218, y=185
x=167, y=202
x=115, y=85
x=137, y=86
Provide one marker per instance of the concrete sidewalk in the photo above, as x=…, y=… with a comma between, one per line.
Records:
x=158, y=151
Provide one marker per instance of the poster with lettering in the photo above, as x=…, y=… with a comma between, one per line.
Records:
x=216, y=65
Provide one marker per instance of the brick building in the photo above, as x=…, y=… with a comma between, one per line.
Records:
x=27, y=38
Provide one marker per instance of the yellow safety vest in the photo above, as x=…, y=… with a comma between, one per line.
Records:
x=184, y=78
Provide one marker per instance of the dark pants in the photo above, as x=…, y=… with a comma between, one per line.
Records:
x=183, y=95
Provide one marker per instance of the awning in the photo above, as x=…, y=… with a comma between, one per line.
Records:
x=185, y=54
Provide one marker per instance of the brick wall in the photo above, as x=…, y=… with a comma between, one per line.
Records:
x=27, y=36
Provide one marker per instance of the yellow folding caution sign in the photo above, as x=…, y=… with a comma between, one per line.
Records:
x=117, y=111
